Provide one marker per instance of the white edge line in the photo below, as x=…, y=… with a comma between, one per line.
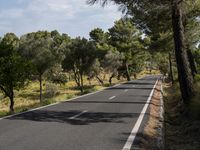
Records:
x=75, y=116
x=20, y=113
x=135, y=129
x=77, y=97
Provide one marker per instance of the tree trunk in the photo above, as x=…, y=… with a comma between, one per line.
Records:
x=110, y=79
x=100, y=81
x=76, y=77
x=184, y=72
x=135, y=75
x=170, y=69
x=127, y=71
x=40, y=80
x=89, y=80
x=191, y=61
x=11, y=97
x=81, y=87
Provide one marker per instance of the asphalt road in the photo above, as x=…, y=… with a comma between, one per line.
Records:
x=101, y=121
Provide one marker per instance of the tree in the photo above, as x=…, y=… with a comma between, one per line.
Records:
x=79, y=59
x=56, y=75
x=44, y=51
x=98, y=36
x=126, y=38
x=139, y=8
x=14, y=70
x=112, y=62
x=99, y=39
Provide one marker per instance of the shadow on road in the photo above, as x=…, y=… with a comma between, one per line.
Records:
x=85, y=119
x=123, y=88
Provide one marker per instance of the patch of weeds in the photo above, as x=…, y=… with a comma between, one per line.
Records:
x=48, y=102
x=182, y=131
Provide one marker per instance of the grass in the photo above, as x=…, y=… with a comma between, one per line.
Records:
x=151, y=133
x=182, y=130
x=28, y=97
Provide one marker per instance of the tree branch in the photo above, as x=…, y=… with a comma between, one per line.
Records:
x=4, y=90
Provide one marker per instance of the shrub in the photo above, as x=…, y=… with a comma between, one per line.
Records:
x=51, y=90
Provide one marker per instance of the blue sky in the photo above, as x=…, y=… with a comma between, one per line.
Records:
x=73, y=17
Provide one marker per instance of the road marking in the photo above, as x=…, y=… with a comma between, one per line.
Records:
x=126, y=90
x=78, y=115
x=30, y=110
x=135, y=129
x=112, y=97
x=133, y=85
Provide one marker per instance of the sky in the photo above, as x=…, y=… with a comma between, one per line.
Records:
x=73, y=17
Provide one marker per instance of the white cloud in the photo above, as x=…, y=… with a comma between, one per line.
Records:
x=70, y=16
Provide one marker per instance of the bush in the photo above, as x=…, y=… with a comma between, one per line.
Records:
x=51, y=90
x=48, y=102
x=197, y=77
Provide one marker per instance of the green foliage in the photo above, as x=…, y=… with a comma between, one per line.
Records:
x=196, y=53
x=98, y=36
x=51, y=90
x=162, y=62
x=112, y=61
x=14, y=70
x=56, y=75
x=42, y=48
x=125, y=37
x=79, y=59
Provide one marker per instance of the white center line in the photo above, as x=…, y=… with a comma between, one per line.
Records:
x=126, y=90
x=112, y=97
x=73, y=117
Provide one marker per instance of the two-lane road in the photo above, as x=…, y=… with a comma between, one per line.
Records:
x=100, y=121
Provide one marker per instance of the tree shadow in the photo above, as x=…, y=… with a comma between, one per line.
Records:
x=123, y=88
x=84, y=119
x=85, y=87
x=108, y=102
x=139, y=83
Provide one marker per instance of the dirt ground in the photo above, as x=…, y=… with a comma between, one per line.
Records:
x=151, y=137
x=182, y=131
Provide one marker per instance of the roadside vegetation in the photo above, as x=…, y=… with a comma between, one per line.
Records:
x=28, y=97
x=182, y=128
x=172, y=28
x=57, y=67
x=159, y=35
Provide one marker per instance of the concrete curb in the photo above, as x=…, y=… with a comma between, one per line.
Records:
x=161, y=133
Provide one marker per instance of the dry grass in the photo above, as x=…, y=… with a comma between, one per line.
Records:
x=151, y=133
x=28, y=97
x=182, y=130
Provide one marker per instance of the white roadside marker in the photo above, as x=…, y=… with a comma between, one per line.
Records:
x=135, y=129
x=78, y=115
x=112, y=97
